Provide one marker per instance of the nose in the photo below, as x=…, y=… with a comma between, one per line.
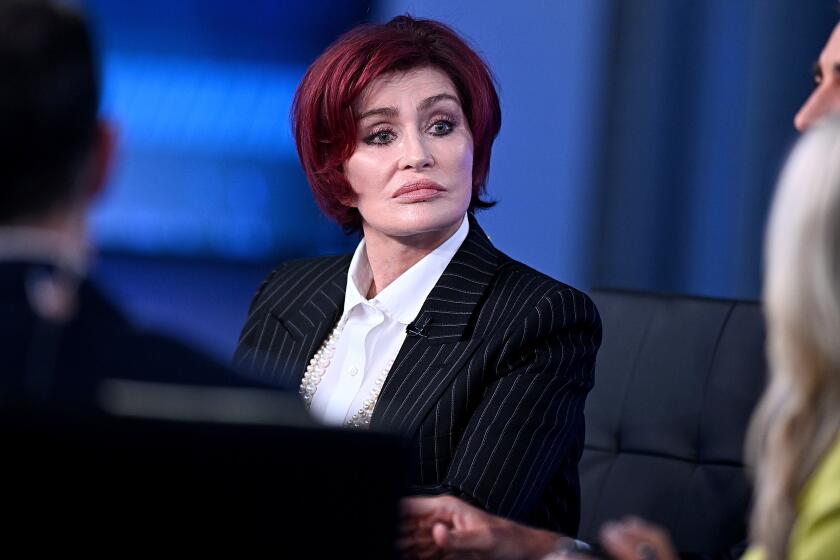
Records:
x=821, y=102
x=416, y=153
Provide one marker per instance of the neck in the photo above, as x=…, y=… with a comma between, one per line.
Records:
x=389, y=257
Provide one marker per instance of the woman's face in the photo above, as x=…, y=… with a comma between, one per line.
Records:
x=411, y=171
x=826, y=96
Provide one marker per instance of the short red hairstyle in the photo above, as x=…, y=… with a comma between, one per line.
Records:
x=324, y=123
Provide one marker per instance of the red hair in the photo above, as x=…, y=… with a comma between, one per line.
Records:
x=322, y=114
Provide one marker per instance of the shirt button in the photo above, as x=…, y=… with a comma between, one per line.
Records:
x=354, y=371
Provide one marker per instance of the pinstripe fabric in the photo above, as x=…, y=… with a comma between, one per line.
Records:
x=491, y=398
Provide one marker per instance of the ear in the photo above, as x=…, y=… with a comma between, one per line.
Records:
x=104, y=148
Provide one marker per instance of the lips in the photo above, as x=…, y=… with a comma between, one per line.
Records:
x=418, y=191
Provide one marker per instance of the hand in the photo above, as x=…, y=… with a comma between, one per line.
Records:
x=415, y=540
x=634, y=539
x=446, y=527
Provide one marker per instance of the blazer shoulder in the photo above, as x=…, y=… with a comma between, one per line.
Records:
x=302, y=266
x=538, y=295
x=300, y=272
x=511, y=269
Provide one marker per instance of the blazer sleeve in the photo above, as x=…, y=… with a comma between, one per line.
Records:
x=531, y=416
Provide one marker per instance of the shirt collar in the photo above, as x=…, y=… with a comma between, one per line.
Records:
x=403, y=298
x=41, y=245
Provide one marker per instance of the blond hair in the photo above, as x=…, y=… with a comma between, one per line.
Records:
x=798, y=417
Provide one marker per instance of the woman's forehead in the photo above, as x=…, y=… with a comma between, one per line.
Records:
x=405, y=86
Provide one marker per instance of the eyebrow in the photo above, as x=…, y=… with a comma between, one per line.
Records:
x=389, y=112
x=379, y=112
x=429, y=101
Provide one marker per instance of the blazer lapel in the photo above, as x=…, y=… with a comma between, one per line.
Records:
x=439, y=341
x=309, y=320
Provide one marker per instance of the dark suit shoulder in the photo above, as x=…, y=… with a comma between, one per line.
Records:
x=511, y=272
x=304, y=266
x=127, y=351
x=522, y=303
x=296, y=277
x=66, y=363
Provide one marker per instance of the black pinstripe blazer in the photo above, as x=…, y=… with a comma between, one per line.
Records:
x=490, y=393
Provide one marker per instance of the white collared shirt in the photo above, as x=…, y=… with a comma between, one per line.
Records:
x=375, y=328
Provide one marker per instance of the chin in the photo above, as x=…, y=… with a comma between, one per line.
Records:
x=412, y=227
x=426, y=227
x=416, y=219
x=431, y=222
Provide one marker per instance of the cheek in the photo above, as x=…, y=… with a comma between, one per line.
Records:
x=362, y=171
x=467, y=162
x=463, y=162
x=455, y=155
x=352, y=169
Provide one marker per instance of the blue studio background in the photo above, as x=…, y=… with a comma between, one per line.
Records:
x=639, y=145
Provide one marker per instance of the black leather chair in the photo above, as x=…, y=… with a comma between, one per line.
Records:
x=676, y=381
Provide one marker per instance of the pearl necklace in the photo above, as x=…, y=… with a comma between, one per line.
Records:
x=318, y=366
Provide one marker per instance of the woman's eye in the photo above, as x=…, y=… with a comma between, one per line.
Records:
x=816, y=74
x=441, y=128
x=380, y=138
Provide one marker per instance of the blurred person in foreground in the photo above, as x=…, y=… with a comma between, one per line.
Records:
x=793, y=443
x=63, y=344
x=428, y=331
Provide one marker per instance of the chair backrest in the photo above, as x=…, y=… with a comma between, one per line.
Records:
x=676, y=381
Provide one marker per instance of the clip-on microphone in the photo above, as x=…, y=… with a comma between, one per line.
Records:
x=418, y=328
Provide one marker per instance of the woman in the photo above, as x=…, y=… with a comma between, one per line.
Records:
x=427, y=329
x=794, y=441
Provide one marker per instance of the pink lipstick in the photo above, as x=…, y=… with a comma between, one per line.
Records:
x=418, y=191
